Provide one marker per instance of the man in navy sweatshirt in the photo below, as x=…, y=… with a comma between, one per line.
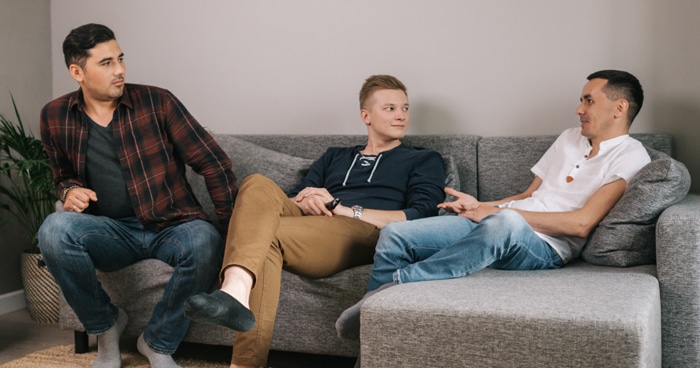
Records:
x=378, y=183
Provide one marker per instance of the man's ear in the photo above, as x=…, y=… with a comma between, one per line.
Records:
x=621, y=107
x=364, y=115
x=76, y=72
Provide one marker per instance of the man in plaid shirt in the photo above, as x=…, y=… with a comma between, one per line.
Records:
x=118, y=153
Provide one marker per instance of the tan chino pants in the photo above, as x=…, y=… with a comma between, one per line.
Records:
x=267, y=233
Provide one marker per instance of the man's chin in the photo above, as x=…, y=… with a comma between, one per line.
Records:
x=117, y=93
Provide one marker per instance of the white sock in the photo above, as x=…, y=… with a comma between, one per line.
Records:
x=108, y=354
x=157, y=360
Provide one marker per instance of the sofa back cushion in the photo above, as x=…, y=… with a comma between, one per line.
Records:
x=505, y=162
x=627, y=235
x=461, y=147
x=286, y=159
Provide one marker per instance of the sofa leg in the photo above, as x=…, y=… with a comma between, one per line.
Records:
x=81, y=342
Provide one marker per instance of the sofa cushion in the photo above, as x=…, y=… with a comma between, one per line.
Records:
x=451, y=175
x=249, y=158
x=581, y=315
x=627, y=235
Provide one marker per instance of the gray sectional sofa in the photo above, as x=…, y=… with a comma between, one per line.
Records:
x=591, y=313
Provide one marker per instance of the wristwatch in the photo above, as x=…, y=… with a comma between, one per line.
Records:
x=358, y=211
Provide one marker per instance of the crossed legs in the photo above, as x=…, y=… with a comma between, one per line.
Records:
x=445, y=247
x=268, y=230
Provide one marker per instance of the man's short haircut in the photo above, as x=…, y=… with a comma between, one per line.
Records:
x=377, y=82
x=80, y=40
x=624, y=85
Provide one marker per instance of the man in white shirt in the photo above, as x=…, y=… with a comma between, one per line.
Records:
x=577, y=181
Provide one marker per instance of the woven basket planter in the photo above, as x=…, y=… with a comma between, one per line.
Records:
x=40, y=289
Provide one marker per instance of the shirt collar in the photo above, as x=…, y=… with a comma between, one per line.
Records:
x=125, y=99
x=612, y=143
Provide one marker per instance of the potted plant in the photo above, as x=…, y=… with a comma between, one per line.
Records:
x=27, y=195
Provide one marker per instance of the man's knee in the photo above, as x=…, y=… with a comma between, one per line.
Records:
x=505, y=225
x=53, y=229
x=505, y=219
x=52, y=223
x=256, y=180
x=389, y=235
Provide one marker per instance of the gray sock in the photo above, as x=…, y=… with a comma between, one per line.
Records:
x=108, y=354
x=348, y=324
x=156, y=360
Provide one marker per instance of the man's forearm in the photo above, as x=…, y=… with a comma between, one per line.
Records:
x=559, y=223
x=582, y=221
x=378, y=218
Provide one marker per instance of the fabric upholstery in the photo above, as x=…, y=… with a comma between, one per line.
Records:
x=249, y=158
x=678, y=269
x=451, y=178
x=627, y=235
x=495, y=318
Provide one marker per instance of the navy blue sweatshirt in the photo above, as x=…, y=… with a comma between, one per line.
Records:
x=405, y=178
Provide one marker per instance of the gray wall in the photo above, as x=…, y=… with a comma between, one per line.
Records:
x=25, y=71
x=675, y=68
x=502, y=67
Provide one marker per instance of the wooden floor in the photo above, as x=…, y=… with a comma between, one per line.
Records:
x=19, y=336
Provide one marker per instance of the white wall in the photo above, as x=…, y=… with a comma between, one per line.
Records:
x=676, y=70
x=502, y=67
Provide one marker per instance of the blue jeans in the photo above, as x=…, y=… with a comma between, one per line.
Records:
x=444, y=247
x=74, y=245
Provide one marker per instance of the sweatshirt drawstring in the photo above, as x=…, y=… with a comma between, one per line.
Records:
x=350, y=168
x=369, y=180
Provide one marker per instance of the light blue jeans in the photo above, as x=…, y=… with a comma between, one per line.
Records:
x=445, y=247
x=74, y=245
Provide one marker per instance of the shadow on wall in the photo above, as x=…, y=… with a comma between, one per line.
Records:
x=681, y=118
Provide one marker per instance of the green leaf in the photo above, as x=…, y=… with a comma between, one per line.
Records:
x=26, y=183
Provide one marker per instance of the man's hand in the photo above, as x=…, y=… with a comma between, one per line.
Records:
x=312, y=201
x=464, y=202
x=480, y=212
x=78, y=200
x=467, y=206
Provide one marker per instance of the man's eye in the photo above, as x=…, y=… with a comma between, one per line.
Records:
x=405, y=108
x=389, y=108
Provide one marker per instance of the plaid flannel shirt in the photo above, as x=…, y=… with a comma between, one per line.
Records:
x=156, y=137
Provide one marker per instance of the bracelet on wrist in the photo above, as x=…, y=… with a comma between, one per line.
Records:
x=64, y=194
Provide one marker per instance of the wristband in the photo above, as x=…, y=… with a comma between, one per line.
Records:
x=66, y=190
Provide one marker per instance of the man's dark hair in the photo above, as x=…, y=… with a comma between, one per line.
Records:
x=82, y=39
x=624, y=85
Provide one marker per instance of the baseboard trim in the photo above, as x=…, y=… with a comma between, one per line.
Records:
x=12, y=301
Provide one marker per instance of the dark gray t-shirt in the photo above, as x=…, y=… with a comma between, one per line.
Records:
x=104, y=174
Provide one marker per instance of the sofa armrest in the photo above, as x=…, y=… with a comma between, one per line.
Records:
x=678, y=268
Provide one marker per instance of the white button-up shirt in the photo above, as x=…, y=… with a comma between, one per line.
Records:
x=569, y=178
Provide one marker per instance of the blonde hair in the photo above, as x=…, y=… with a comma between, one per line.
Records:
x=378, y=82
